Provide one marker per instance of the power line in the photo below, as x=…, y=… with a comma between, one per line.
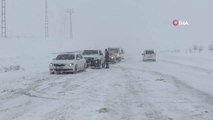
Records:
x=46, y=20
x=3, y=20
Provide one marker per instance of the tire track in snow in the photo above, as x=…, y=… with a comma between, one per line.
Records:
x=200, y=69
x=181, y=85
x=203, y=101
x=145, y=108
x=26, y=91
x=31, y=93
x=118, y=99
x=75, y=102
x=19, y=101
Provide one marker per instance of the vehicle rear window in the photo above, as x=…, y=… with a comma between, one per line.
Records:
x=65, y=57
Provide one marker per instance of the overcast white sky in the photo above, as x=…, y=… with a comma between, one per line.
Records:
x=128, y=23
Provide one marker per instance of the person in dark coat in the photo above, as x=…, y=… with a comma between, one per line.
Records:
x=107, y=58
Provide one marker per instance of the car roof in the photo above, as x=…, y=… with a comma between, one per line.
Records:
x=92, y=49
x=73, y=53
x=114, y=48
x=149, y=50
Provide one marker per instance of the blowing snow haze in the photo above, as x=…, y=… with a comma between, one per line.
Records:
x=131, y=24
x=158, y=65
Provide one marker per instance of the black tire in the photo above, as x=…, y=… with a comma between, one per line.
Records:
x=103, y=65
x=99, y=66
x=119, y=59
x=52, y=73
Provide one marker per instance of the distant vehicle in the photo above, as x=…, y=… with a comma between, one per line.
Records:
x=149, y=55
x=94, y=58
x=116, y=54
x=67, y=63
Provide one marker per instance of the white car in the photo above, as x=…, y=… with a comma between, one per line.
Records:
x=67, y=63
x=149, y=55
x=94, y=58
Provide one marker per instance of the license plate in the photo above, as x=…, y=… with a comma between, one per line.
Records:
x=59, y=67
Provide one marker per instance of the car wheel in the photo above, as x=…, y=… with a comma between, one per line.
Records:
x=103, y=65
x=99, y=66
x=52, y=73
x=119, y=59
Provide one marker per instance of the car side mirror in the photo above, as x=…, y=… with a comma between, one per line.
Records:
x=101, y=54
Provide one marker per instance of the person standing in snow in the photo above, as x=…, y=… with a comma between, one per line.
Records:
x=107, y=58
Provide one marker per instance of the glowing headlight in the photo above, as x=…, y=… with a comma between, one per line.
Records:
x=51, y=64
x=71, y=64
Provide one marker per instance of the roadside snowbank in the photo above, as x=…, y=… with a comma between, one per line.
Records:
x=201, y=60
x=31, y=54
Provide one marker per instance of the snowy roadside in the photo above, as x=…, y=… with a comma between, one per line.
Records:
x=119, y=93
x=175, y=87
x=201, y=60
x=182, y=67
x=24, y=60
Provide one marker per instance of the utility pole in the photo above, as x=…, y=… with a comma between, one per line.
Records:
x=3, y=20
x=70, y=12
x=46, y=20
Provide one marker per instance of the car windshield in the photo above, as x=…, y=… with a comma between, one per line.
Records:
x=150, y=52
x=113, y=50
x=110, y=53
x=65, y=57
x=90, y=52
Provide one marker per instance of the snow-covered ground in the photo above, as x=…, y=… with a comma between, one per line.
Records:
x=176, y=87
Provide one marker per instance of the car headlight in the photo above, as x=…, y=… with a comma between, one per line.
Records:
x=71, y=64
x=51, y=64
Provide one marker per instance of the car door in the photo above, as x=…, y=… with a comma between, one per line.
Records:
x=80, y=61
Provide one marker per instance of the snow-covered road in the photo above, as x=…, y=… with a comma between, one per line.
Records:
x=130, y=90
